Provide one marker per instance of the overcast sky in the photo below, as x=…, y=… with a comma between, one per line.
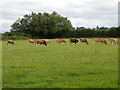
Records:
x=87, y=13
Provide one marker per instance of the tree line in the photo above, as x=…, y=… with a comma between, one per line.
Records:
x=46, y=25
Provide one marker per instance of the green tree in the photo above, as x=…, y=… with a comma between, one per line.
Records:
x=43, y=25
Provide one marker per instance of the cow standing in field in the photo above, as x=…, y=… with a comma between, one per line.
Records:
x=100, y=40
x=113, y=40
x=83, y=40
x=41, y=41
x=60, y=41
x=10, y=42
x=73, y=41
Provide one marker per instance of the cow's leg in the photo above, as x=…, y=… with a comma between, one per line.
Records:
x=112, y=42
x=115, y=42
x=36, y=44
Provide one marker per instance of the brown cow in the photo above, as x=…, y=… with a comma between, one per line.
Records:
x=41, y=41
x=60, y=41
x=102, y=41
x=36, y=41
x=83, y=40
x=10, y=42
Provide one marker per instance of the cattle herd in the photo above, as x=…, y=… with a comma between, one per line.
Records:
x=45, y=42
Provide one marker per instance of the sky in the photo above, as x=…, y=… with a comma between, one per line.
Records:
x=81, y=13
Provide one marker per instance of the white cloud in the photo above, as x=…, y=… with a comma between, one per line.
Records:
x=5, y=25
x=88, y=13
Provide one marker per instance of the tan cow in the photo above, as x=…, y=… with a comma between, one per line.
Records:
x=83, y=40
x=99, y=40
x=31, y=41
x=10, y=42
x=113, y=40
x=60, y=41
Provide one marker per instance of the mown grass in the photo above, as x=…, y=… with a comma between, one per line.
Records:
x=60, y=65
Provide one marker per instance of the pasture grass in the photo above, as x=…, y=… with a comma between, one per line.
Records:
x=60, y=65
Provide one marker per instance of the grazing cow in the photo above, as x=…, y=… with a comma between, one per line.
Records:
x=41, y=41
x=73, y=41
x=100, y=40
x=113, y=40
x=31, y=41
x=10, y=42
x=83, y=40
x=60, y=41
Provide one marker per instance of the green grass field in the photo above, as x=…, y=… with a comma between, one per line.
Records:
x=60, y=65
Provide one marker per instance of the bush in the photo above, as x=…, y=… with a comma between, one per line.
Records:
x=14, y=38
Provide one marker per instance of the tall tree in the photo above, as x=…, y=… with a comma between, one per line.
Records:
x=43, y=25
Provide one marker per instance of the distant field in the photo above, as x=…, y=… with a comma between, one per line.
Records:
x=60, y=65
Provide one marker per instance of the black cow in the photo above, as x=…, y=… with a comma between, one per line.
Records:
x=73, y=41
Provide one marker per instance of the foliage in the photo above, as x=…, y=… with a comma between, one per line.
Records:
x=15, y=36
x=43, y=25
x=98, y=32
